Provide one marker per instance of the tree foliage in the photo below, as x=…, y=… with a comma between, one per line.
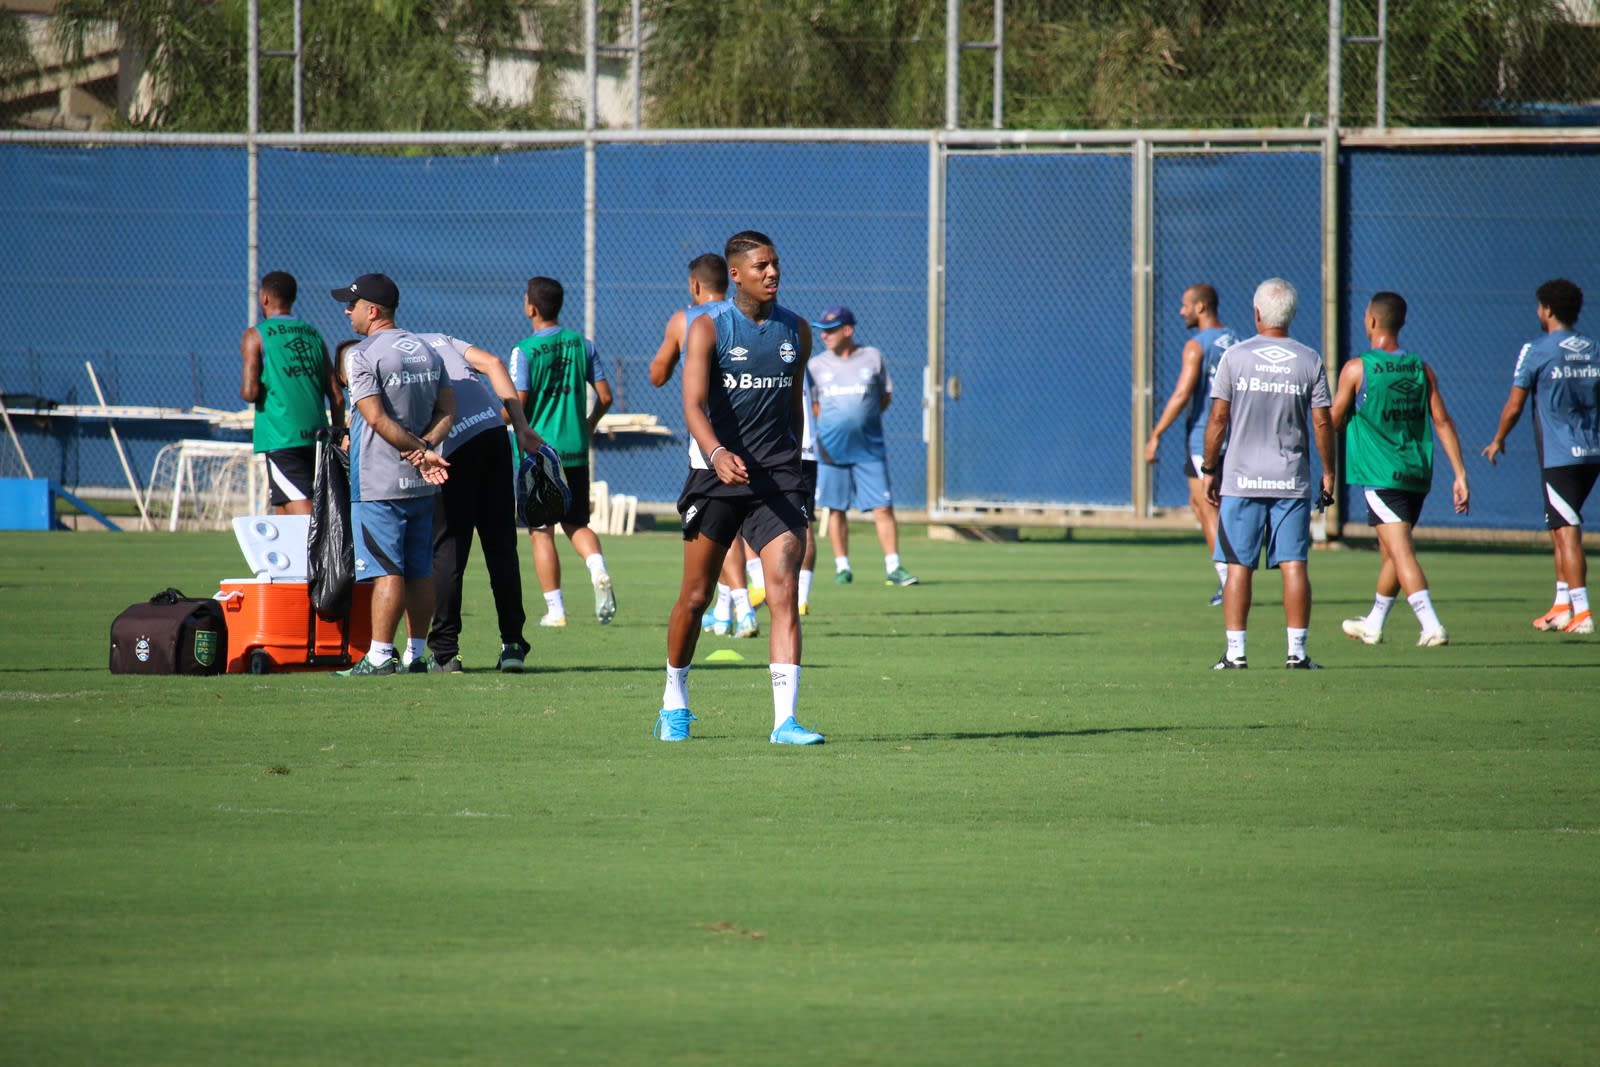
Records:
x=419, y=64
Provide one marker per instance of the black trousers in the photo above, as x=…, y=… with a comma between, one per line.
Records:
x=477, y=497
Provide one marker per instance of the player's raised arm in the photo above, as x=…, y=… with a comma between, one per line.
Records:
x=665, y=360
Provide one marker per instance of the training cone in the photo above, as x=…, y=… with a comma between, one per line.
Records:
x=724, y=655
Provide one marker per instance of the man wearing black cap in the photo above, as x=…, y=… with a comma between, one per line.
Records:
x=850, y=388
x=403, y=407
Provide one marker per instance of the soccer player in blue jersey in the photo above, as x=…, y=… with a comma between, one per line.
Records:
x=1269, y=402
x=850, y=390
x=708, y=287
x=1561, y=372
x=1191, y=398
x=742, y=396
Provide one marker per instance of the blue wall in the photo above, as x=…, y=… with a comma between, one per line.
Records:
x=135, y=258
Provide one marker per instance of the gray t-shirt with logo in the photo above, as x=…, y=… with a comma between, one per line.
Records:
x=400, y=368
x=1271, y=383
x=478, y=410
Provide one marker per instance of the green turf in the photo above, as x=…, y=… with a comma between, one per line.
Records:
x=1042, y=831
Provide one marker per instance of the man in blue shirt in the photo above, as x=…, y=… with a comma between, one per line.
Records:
x=1191, y=399
x=850, y=388
x=1561, y=371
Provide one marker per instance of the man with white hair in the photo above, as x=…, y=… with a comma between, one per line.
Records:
x=1269, y=400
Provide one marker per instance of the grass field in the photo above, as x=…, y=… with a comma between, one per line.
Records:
x=1042, y=830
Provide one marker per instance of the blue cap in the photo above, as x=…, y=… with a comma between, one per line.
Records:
x=834, y=317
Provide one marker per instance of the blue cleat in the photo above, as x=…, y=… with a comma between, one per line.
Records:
x=673, y=725
x=792, y=733
x=748, y=626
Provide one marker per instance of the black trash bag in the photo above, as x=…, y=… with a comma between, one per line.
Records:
x=330, y=548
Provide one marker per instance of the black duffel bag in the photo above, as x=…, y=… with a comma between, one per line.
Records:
x=170, y=634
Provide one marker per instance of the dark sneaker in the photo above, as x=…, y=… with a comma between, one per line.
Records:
x=843, y=578
x=1226, y=664
x=900, y=576
x=444, y=666
x=512, y=658
x=1301, y=663
x=364, y=667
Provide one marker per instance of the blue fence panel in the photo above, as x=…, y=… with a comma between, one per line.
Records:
x=850, y=223
x=1038, y=304
x=1232, y=220
x=1466, y=237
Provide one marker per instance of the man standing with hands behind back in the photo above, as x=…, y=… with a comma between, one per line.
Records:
x=403, y=409
x=1270, y=395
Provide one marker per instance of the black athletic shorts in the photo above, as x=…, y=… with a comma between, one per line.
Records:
x=759, y=519
x=808, y=478
x=1565, y=490
x=1386, y=506
x=290, y=472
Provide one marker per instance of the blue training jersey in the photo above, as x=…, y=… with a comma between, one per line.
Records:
x=750, y=400
x=850, y=396
x=1562, y=372
x=1213, y=341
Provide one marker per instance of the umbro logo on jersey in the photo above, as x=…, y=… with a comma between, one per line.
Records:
x=1274, y=354
x=406, y=344
x=1405, y=386
x=738, y=355
x=1578, y=347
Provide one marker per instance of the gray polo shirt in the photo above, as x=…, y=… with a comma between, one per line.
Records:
x=1271, y=383
x=400, y=368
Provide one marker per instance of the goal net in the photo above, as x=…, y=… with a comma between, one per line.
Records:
x=204, y=485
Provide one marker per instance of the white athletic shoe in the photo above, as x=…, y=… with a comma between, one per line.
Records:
x=1433, y=638
x=553, y=619
x=1363, y=631
x=605, y=600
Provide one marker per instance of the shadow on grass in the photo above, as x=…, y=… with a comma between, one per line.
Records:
x=880, y=635
x=1037, y=735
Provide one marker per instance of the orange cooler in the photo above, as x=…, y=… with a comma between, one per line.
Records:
x=271, y=627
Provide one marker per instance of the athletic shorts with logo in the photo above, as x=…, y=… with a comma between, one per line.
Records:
x=1385, y=506
x=859, y=486
x=760, y=519
x=1246, y=524
x=1565, y=490
x=393, y=537
x=290, y=472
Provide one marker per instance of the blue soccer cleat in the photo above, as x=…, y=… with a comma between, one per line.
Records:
x=792, y=733
x=673, y=724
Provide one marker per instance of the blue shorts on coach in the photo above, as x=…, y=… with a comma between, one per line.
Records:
x=1245, y=524
x=858, y=487
x=393, y=537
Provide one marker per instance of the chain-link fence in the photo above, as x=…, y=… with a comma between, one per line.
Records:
x=1024, y=293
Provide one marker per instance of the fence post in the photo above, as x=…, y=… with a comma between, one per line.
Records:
x=1143, y=322
x=933, y=384
x=1334, y=518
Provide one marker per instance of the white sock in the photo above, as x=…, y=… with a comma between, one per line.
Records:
x=723, y=612
x=891, y=562
x=379, y=653
x=1422, y=604
x=416, y=648
x=597, y=566
x=785, y=692
x=805, y=585
x=554, y=605
x=841, y=564
x=1563, y=595
x=1222, y=572
x=1580, y=599
x=741, y=602
x=1297, y=643
x=753, y=572
x=1235, y=644
x=676, y=694
x=1380, y=610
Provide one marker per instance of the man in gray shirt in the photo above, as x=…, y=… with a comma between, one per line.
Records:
x=402, y=409
x=1269, y=402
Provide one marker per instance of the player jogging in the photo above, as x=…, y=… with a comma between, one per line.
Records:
x=742, y=393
